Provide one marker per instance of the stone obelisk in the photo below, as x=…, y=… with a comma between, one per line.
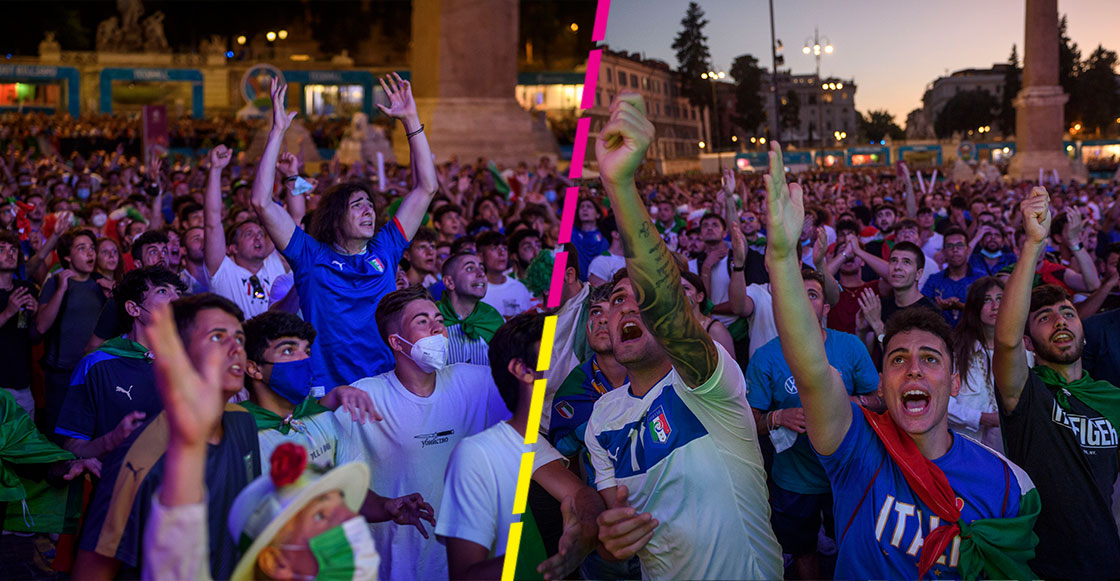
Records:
x=1040, y=117
x=464, y=74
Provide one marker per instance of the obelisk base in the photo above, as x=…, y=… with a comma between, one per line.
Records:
x=1038, y=124
x=497, y=129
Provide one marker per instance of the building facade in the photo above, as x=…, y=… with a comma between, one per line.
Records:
x=825, y=106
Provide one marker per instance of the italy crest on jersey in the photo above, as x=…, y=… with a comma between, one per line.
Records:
x=375, y=262
x=565, y=410
x=659, y=427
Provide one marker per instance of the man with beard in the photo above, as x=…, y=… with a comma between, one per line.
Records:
x=989, y=257
x=421, y=256
x=68, y=310
x=684, y=424
x=1058, y=423
x=470, y=322
x=242, y=264
x=524, y=246
x=194, y=273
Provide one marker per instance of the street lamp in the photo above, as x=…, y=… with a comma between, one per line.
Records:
x=816, y=48
x=282, y=34
x=241, y=40
x=712, y=77
x=271, y=36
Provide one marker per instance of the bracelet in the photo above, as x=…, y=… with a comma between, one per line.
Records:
x=1077, y=247
x=415, y=133
x=738, y=268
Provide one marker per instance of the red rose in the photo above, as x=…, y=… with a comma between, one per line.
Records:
x=288, y=462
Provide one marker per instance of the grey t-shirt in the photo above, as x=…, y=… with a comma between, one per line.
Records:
x=66, y=340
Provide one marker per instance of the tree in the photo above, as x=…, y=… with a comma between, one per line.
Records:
x=878, y=125
x=1069, y=66
x=966, y=111
x=749, y=111
x=791, y=110
x=693, y=57
x=1012, y=83
x=1096, y=86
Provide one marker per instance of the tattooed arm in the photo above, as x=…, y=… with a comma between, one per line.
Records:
x=653, y=272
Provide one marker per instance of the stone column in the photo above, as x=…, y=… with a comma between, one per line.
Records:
x=1040, y=117
x=464, y=74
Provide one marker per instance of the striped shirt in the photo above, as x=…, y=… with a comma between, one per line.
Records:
x=460, y=349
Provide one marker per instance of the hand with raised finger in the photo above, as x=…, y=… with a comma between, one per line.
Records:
x=623, y=140
x=729, y=182
x=786, y=208
x=399, y=91
x=622, y=531
x=1074, y=226
x=281, y=119
x=1036, y=215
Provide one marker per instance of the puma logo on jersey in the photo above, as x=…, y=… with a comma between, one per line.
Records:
x=340, y=265
x=135, y=471
x=127, y=392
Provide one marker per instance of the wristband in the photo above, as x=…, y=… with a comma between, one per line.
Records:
x=415, y=133
x=1076, y=247
x=738, y=268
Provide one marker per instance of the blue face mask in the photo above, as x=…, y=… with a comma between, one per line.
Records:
x=83, y=193
x=550, y=195
x=291, y=380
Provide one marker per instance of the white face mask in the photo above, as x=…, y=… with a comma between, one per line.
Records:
x=99, y=219
x=429, y=353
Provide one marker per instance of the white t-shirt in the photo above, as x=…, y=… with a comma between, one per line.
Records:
x=481, y=482
x=605, y=266
x=762, y=326
x=690, y=457
x=721, y=285
x=511, y=298
x=408, y=452
x=232, y=282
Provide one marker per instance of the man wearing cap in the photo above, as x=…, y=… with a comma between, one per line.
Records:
x=295, y=522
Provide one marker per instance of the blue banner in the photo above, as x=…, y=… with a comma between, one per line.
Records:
x=19, y=73
x=193, y=76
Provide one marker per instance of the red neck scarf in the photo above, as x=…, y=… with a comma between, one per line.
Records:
x=927, y=481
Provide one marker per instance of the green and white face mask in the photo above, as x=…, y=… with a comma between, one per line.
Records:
x=343, y=552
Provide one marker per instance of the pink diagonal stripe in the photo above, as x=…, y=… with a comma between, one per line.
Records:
x=601, y=13
x=558, y=268
x=568, y=216
x=583, y=127
x=591, y=79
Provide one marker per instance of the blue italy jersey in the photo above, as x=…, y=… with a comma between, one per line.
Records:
x=588, y=245
x=881, y=523
x=103, y=390
x=571, y=408
x=770, y=387
x=338, y=294
x=940, y=286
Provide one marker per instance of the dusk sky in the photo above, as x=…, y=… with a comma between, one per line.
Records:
x=892, y=49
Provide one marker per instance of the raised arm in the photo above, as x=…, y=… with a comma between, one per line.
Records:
x=1087, y=279
x=653, y=272
x=275, y=219
x=823, y=396
x=214, y=237
x=1009, y=360
x=425, y=183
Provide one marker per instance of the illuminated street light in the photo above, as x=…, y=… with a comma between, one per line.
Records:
x=574, y=27
x=815, y=48
x=282, y=34
x=762, y=140
x=271, y=36
x=242, y=40
x=703, y=145
x=734, y=138
x=754, y=140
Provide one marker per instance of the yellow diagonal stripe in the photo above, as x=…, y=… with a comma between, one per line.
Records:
x=523, y=478
x=534, y=424
x=509, y=566
x=547, y=336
